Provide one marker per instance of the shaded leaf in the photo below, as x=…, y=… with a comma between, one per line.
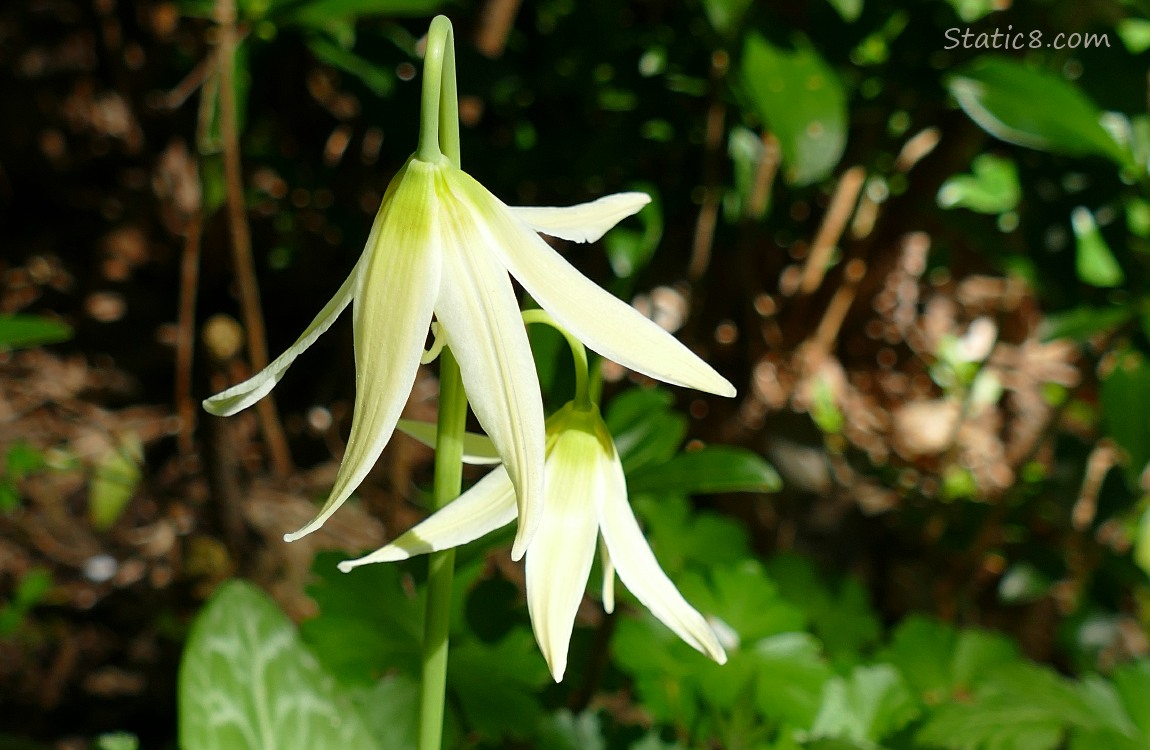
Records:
x=1126, y=410
x=710, y=470
x=23, y=331
x=867, y=705
x=497, y=686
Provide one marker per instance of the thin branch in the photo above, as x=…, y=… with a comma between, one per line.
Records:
x=241, y=236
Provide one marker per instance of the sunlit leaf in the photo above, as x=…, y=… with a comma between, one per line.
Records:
x=1095, y=263
x=802, y=102
x=246, y=680
x=991, y=188
x=867, y=705
x=1032, y=108
x=114, y=481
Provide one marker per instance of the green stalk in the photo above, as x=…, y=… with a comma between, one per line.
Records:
x=441, y=565
x=578, y=354
x=439, y=136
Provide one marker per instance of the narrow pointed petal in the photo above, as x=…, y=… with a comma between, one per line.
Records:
x=608, y=577
x=585, y=222
x=560, y=556
x=241, y=396
x=392, y=311
x=487, y=506
x=601, y=321
x=641, y=574
x=479, y=314
x=478, y=450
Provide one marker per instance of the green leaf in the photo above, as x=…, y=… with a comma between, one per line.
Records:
x=726, y=15
x=801, y=100
x=645, y=429
x=1095, y=263
x=1141, y=553
x=745, y=599
x=31, y=589
x=1022, y=583
x=23, y=331
x=368, y=622
x=849, y=10
x=321, y=13
x=1135, y=34
x=390, y=711
x=497, y=686
x=115, y=480
x=867, y=705
x=1083, y=322
x=745, y=149
x=992, y=188
x=1126, y=410
x=380, y=80
x=246, y=681
x=1021, y=706
x=564, y=730
x=1032, y=108
x=679, y=536
x=711, y=470
x=790, y=678
x=117, y=741
x=630, y=250
x=972, y=10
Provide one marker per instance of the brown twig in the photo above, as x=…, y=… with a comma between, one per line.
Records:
x=495, y=26
x=186, y=332
x=713, y=141
x=241, y=236
x=831, y=230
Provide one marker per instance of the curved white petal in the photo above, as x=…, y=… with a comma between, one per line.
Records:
x=608, y=577
x=585, y=222
x=641, y=574
x=601, y=321
x=241, y=396
x=478, y=450
x=560, y=556
x=484, y=508
x=392, y=310
x=479, y=314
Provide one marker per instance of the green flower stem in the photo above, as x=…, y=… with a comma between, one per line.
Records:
x=578, y=353
x=439, y=123
x=441, y=566
x=439, y=136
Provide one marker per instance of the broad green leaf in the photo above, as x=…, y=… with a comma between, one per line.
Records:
x=1126, y=410
x=991, y=188
x=801, y=100
x=1083, y=322
x=247, y=681
x=497, y=686
x=1021, y=706
x=114, y=482
x=680, y=537
x=368, y=622
x=390, y=711
x=840, y=612
x=645, y=429
x=564, y=730
x=713, y=469
x=867, y=705
x=23, y=331
x=1032, y=108
x=1095, y=263
x=791, y=677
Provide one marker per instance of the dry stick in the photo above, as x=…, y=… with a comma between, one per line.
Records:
x=495, y=26
x=834, y=222
x=241, y=236
x=709, y=212
x=829, y=326
x=186, y=332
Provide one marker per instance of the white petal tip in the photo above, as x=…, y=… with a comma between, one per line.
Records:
x=518, y=549
x=297, y=535
x=347, y=566
x=720, y=658
x=726, y=390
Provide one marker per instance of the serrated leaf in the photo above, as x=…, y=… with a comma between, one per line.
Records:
x=247, y=681
x=390, y=711
x=991, y=188
x=679, y=536
x=368, y=622
x=497, y=685
x=711, y=470
x=791, y=677
x=23, y=331
x=801, y=100
x=872, y=702
x=1032, y=108
x=564, y=730
x=645, y=429
x=745, y=599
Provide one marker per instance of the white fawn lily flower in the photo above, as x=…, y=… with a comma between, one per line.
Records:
x=586, y=506
x=443, y=245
